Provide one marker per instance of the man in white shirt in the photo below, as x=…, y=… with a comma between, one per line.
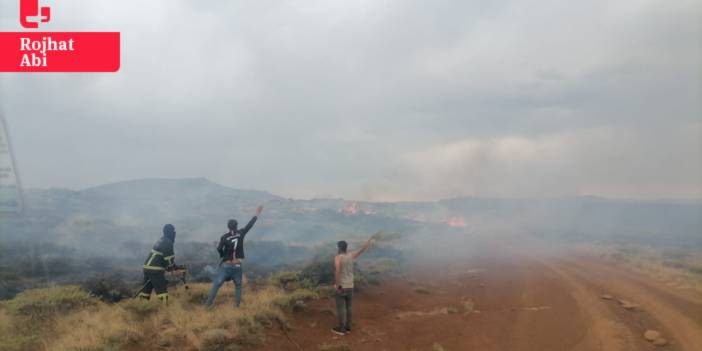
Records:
x=343, y=276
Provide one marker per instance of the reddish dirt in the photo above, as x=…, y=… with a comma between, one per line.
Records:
x=522, y=302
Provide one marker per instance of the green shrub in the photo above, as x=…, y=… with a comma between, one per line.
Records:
x=107, y=287
x=360, y=280
x=372, y=272
x=368, y=271
x=384, y=266
x=294, y=300
x=41, y=304
x=320, y=270
x=288, y=280
x=325, y=290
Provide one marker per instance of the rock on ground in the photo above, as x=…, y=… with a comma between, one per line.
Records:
x=651, y=335
x=660, y=342
x=628, y=305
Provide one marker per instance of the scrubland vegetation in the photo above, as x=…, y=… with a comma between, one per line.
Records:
x=675, y=266
x=69, y=267
x=99, y=316
x=68, y=318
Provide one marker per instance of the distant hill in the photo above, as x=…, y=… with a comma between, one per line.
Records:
x=155, y=188
x=103, y=218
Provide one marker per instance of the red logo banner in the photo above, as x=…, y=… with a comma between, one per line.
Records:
x=56, y=51
x=59, y=51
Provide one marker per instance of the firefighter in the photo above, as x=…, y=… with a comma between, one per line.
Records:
x=160, y=259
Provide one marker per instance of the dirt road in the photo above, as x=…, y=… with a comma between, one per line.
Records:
x=506, y=301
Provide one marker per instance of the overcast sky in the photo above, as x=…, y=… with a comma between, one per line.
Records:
x=374, y=100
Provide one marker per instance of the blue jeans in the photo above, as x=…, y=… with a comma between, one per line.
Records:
x=227, y=271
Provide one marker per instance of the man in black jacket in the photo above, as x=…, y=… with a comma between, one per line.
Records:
x=160, y=259
x=231, y=252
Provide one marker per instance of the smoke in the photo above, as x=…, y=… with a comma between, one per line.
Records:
x=621, y=162
x=381, y=101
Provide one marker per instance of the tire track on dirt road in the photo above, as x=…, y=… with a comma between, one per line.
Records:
x=679, y=317
x=605, y=330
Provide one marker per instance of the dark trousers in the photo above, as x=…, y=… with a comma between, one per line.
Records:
x=154, y=280
x=344, y=304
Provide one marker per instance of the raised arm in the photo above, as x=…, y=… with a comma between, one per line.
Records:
x=363, y=248
x=250, y=225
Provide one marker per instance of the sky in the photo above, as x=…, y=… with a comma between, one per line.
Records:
x=374, y=100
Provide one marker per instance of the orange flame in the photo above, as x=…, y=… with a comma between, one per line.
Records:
x=354, y=209
x=456, y=222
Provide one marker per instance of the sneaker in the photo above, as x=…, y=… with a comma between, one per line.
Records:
x=338, y=331
x=348, y=330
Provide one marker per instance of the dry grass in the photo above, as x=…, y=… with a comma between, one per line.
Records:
x=102, y=327
x=33, y=315
x=678, y=268
x=434, y=312
x=182, y=325
x=334, y=347
x=295, y=300
x=10, y=337
x=5, y=322
x=46, y=303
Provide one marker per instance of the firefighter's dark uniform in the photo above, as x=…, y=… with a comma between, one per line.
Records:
x=160, y=259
